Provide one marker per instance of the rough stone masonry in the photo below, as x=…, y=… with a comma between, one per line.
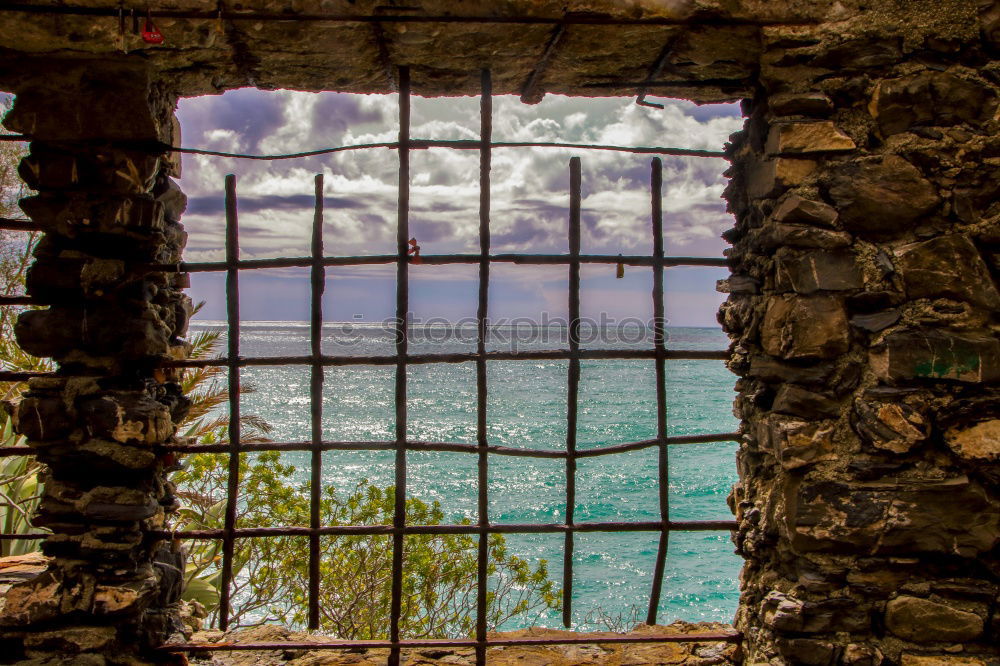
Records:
x=862, y=305
x=863, y=311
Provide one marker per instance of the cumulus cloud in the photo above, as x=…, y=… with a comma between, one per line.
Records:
x=529, y=186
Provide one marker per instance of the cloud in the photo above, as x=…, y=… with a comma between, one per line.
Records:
x=529, y=186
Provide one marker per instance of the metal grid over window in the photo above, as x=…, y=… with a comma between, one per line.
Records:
x=401, y=359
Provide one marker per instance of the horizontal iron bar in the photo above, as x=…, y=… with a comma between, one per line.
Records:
x=19, y=224
x=422, y=359
x=17, y=376
x=513, y=528
x=443, y=446
x=421, y=144
x=230, y=15
x=18, y=300
x=440, y=259
x=469, y=144
x=418, y=359
x=707, y=637
x=26, y=537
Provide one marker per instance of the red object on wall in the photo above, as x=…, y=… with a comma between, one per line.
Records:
x=150, y=33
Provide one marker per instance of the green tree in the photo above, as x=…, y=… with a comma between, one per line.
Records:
x=439, y=571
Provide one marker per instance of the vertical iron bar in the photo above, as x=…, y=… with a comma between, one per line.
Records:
x=233, y=331
x=573, y=382
x=485, y=158
x=659, y=342
x=318, y=285
x=402, y=308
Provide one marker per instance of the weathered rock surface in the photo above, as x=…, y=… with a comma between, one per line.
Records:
x=931, y=99
x=947, y=267
x=937, y=354
x=881, y=196
x=682, y=654
x=926, y=621
x=804, y=328
x=807, y=137
x=978, y=442
x=817, y=271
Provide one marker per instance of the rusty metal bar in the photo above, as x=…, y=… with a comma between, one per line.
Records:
x=18, y=300
x=455, y=447
x=528, y=90
x=233, y=480
x=659, y=341
x=317, y=286
x=438, y=259
x=402, y=312
x=706, y=637
x=573, y=383
x=655, y=70
x=482, y=331
x=18, y=224
x=18, y=376
x=415, y=144
x=310, y=17
x=511, y=528
x=383, y=56
x=458, y=357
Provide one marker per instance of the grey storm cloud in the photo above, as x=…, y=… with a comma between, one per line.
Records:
x=210, y=205
x=248, y=113
x=340, y=112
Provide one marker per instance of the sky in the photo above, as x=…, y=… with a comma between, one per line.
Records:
x=530, y=200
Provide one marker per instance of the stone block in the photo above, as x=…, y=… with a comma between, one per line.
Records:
x=817, y=271
x=772, y=177
x=814, y=104
x=127, y=417
x=774, y=371
x=117, y=504
x=797, y=443
x=800, y=235
x=42, y=418
x=947, y=267
x=795, y=209
x=71, y=640
x=953, y=516
x=931, y=99
x=876, y=321
x=925, y=621
x=979, y=442
x=940, y=660
x=797, y=401
x=806, y=138
x=114, y=171
x=806, y=651
x=937, y=354
x=50, y=107
x=33, y=601
x=804, y=328
x=881, y=196
x=895, y=427
x=113, y=454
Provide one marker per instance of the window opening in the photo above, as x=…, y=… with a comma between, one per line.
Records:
x=402, y=358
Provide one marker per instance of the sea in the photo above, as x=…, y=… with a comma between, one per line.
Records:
x=526, y=408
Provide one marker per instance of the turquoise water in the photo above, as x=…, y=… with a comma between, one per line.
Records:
x=527, y=408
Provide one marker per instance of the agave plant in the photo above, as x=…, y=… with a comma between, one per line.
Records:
x=20, y=492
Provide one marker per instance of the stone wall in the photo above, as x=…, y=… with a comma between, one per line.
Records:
x=106, y=209
x=863, y=308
